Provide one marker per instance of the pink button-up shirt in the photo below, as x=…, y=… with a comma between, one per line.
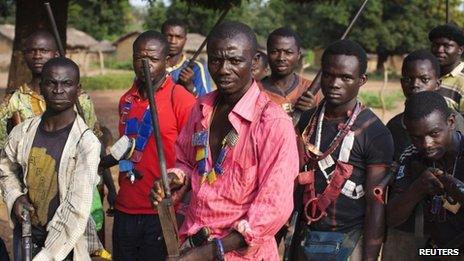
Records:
x=255, y=193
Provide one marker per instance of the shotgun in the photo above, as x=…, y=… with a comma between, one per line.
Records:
x=26, y=237
x=166, y=212
x=315, y=85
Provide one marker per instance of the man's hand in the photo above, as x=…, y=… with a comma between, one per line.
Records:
x=429, y=183
x=205, y=252
x=111, y=198
x=157, y=193
x=306, y=101
x=186, y=78
x=22, y=203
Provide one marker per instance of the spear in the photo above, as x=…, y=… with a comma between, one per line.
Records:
x=166, y=212
x=316, y=83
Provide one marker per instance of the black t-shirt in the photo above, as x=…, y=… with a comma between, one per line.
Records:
x=399, y=134
x=412, y=163
x=372, y=145
x=42, y=178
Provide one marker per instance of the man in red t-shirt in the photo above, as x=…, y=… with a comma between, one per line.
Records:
x=137, y=231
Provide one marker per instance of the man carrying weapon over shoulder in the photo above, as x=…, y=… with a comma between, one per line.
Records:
x=238, y=152
x=137, y=231
x=347, y=152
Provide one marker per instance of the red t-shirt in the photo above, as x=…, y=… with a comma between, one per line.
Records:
x=173, y=104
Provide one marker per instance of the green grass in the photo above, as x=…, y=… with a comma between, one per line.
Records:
x=372, y=99
x=112, y=63
x=111, y=81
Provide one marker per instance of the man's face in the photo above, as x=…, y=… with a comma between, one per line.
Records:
x=177, y=37
x=432, y=135
x=447, y=51
x=151, y=49
x=283, y=55
x=38, y=51
x=230, y=62
x=60, y=86
x=419, y=76
x=341, y=79
x=261, y=70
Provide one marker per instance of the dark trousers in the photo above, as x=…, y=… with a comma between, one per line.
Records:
x=137, y=237
x=3, y=251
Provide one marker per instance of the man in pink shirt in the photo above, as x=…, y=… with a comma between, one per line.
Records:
x=238, y=153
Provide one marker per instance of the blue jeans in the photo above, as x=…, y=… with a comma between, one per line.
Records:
x=137, y=237
x=325, y=245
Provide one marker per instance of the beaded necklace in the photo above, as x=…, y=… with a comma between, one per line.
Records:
x=315, y=124
x=201, y=141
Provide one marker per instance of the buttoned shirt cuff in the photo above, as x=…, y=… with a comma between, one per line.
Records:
x=244, y=228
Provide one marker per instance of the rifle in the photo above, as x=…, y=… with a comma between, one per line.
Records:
x=380, y=189
x=80, y=111
x=203, y=44
x=26, y=237
x=166, y=212
x=289, y=236
x=315, y=85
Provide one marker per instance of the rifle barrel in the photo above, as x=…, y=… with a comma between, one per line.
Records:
x=26, y=237
x=156, y=128
x=203, y=44
x=315, y=85
x=54, y=28
x=355, y=18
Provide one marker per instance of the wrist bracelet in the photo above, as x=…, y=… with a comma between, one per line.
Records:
x=219, y=249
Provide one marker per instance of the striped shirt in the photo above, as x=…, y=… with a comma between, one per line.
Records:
x=201, y=78
x=77, y=178
x=452, y=88
x=254, y=195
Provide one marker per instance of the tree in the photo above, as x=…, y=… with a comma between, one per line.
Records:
x=103, y=19
x=7, y=11
x=31, y=16
x=385, y=27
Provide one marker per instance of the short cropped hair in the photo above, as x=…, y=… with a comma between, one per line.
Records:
x=347, y=47
x=284, y=32
x=174, y=22
x=423, y=55
x=422, y=104
x=61, y=61
x=450, y=31
x=152, y=35
x=42, y=33
x=230, y=29
x=263, y=58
